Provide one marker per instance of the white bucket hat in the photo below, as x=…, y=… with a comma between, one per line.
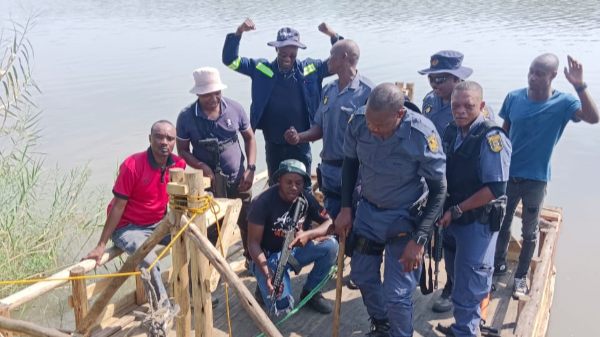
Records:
x=207, y=79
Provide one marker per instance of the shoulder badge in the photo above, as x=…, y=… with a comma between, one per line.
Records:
x=432, y=143
x=486, y=113
x=495, y=142
x=428, y=108
x=325, y=99
x=351, y=118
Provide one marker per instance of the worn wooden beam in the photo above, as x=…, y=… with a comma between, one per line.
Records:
x=140, y=291
x=227, y=229
x=535, y=262
x=80, y=300
x=134, y=260
x=27, y=328
x=339, y=284
x=5, y=312
x=246, y=299
x=203, y=315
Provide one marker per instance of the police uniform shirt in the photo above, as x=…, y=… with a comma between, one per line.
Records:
x=441, y=114
x=231, y=120
x=393, y=170
x=494, y=157
x=332, y=116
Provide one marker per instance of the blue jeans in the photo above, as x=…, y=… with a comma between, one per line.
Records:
x=129, y=239
x=469, y=257
x=276, y=153
x=323, y=254
x=532, y=193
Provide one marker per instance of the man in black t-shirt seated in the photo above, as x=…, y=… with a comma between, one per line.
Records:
x=266, y=218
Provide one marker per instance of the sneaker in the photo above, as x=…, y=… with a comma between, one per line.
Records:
x=500, y=268
x=379, y=328
x=258, y=296
x=444, y=303
x=520, y=287
x=317, y=302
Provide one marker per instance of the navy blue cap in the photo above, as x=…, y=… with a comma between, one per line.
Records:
x=292, y=166
x=287, y=37
x=448, y=61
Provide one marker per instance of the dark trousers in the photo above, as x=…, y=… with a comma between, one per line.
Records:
x=277, y=152
x=246, y=196
x=532, y=193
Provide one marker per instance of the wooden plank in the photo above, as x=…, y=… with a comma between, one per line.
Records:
x=549, y=299
x=514, y=250
x=116, y=325
x=80, y=300
x=177, y=189
x=110, y=310
x=227, y=229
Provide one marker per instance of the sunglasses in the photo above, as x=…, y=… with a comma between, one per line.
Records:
x=437, y=80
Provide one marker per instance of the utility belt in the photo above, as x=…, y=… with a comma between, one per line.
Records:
x=413, y=211
x=492, y=213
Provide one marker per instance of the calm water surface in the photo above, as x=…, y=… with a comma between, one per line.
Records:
x=109, y=69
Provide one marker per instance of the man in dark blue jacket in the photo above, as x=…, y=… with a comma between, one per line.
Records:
x=285, y=92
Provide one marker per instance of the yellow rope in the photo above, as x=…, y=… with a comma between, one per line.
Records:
x=176, y=203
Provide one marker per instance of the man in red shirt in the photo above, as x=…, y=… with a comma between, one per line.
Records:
x=140, y=201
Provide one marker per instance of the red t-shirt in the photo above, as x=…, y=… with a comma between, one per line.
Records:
x=143, y=184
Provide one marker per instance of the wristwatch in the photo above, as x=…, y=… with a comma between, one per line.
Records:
x=581, y=88
x=420, y=240
x=252, y=167
x=456, y=212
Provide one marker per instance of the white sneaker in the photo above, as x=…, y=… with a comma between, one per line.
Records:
x=520, y=287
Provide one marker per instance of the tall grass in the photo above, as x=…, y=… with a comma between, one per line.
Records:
x=42, y=210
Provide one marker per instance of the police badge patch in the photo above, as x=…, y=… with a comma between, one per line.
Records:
x=228, y=122
x=432, y=143
x=495, y=142
x=428, y=108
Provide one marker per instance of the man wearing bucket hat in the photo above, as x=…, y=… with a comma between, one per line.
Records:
x=210, y=125
x=445, y=72
x=267, y=217
x=285, y=91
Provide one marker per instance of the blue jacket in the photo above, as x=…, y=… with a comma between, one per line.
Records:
x=263, y=73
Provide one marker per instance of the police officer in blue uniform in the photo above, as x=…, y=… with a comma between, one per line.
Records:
x=445, y=72
x=285, y=92
x=478, y=158
x=340, y=98
x=402, y=164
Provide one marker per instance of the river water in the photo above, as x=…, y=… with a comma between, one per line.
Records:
x=108, y=69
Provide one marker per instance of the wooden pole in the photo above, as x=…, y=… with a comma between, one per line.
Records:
x=140, y=290
x=134, y=260
x=181, y=276
x=203, y=314
x=80, y=300
x=28, y=328
x=5, y=312
x=338, y=288
x=247, y=301
x=410, y=87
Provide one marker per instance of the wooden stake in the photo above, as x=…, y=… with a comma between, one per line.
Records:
x=227, y=229
x=338, y=288
x=140, y=290
x=181, y=276
x=27, y=328
x=134, y=260
x=247, y=300
x=203, y=315
x=5, y=312
x=80, y=300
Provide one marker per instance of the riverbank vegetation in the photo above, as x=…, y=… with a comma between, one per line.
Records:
x=43, y=210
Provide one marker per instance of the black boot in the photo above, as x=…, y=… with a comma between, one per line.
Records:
x=317, y=302
x=379, y=328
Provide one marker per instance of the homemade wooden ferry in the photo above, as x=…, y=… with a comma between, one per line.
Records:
x=98, y=313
